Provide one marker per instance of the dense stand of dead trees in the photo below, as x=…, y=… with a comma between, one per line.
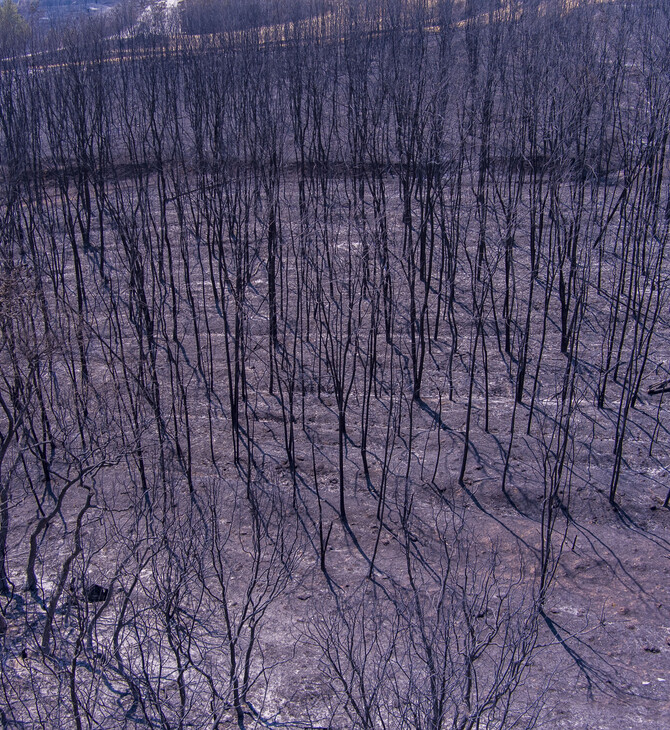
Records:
x=219, y=250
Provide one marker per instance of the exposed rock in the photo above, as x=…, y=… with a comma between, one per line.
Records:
x=96, y=593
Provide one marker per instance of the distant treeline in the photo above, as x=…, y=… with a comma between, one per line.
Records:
x=216, y=16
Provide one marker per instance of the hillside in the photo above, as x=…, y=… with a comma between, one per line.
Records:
x=331, y=366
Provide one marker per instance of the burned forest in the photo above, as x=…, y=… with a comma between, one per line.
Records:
x=334, y=366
